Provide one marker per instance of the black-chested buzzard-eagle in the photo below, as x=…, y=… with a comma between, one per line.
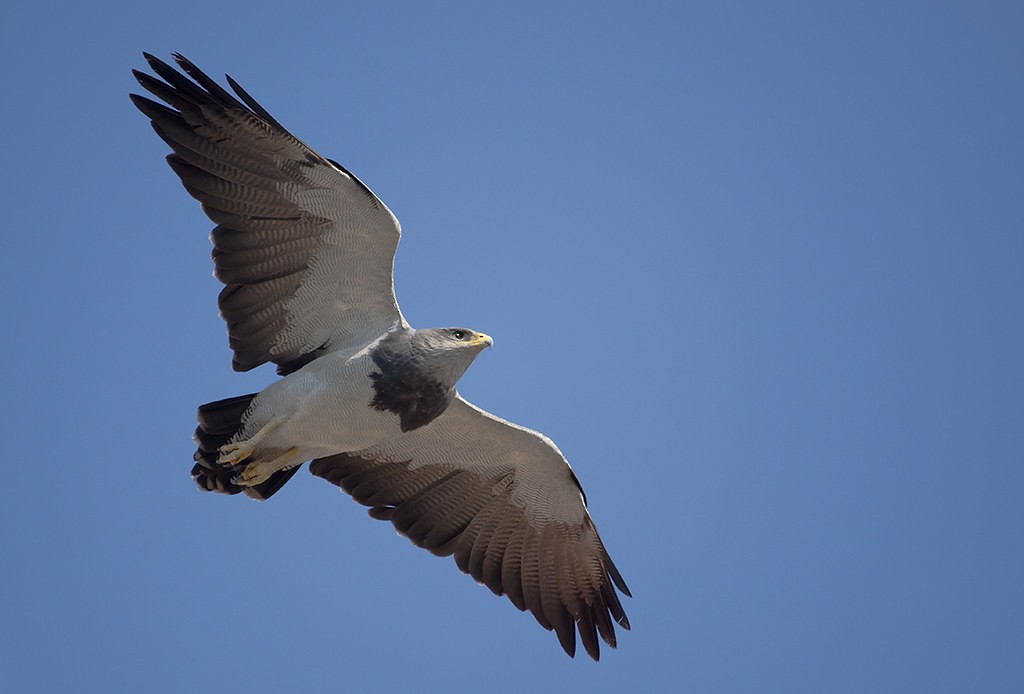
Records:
x=305, y=251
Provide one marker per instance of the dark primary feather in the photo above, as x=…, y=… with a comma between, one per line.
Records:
x=557, y=570
x=304, y=248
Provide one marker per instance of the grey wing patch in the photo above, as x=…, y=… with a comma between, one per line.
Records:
x=304, y=248
x=520, y=531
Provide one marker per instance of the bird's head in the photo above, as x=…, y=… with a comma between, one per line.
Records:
x=447, y=352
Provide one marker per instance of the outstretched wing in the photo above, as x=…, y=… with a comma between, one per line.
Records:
x=504, y=501
x=305, y=249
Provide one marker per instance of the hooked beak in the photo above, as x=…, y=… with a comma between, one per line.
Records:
x=482, y=340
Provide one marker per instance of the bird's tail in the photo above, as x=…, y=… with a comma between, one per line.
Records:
x=218, y=422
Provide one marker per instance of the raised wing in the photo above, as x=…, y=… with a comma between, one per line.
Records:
x=305, y=249
x=505, y=502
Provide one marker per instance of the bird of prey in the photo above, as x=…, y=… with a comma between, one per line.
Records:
x=306, y=253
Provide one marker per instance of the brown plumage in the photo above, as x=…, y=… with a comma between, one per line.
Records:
x=472, y=504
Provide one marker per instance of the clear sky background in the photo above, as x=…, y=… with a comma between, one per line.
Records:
x=757, y=268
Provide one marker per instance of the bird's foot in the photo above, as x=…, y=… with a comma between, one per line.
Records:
x=253, y=474
x=234, y=453
x=259, y=472
x=238, y=451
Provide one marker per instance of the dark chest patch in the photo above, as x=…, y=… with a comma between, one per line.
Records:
x=402, y=387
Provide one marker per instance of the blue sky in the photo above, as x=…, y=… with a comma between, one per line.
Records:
x=757, y=268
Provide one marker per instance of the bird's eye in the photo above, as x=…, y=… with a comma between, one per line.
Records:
x=459, y=334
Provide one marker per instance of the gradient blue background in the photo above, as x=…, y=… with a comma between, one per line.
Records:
x=758, y=268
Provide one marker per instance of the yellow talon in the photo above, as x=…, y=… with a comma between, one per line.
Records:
x=258, y=473
x=234, y=453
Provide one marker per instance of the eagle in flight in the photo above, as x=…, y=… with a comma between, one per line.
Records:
x=306, y=253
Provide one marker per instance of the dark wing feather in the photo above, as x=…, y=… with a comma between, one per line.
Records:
x=304, y=248
x=505, y=503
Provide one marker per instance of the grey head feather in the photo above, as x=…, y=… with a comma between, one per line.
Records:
x=418, y=370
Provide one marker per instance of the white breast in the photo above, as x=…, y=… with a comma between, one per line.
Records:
x=324, y=408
